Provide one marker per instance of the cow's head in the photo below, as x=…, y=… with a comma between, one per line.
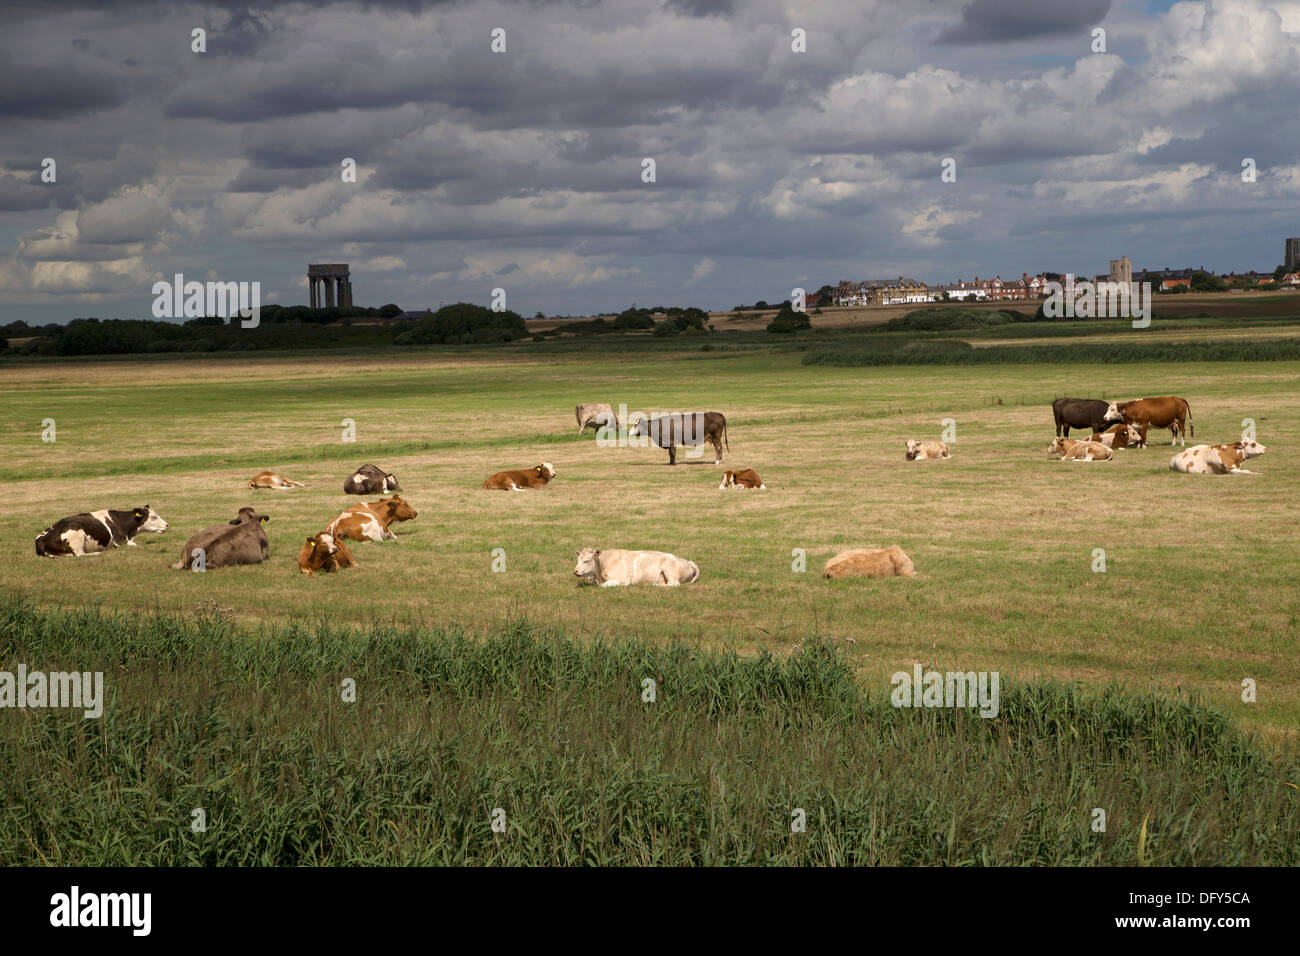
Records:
x=398, y=509
x=545, y=470
x=913, y=449
x=390, y=483
x=728, y=480
x=588, y=566
x=638, y=428
x=150, y=520
x=1115, y=412
x=249, y=514
x=1250, y=448
x=1060, y=447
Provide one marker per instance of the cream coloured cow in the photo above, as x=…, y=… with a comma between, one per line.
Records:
x=613, y=567
x=920, y=450
x=1217, y=459
x=1067, y=449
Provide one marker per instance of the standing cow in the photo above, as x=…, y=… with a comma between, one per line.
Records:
x=691, y=429
x=1094, y=414
x=1167, y=411
x=595, y=413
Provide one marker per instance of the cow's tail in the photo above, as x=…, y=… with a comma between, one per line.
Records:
x=724, y=435
x=179, y=565
x=695, y=574
x=1190, y=427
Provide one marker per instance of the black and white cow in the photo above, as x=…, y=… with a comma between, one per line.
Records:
x=95, y=531
x=369, y=480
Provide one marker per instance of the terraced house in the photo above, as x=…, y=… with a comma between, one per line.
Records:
x=898, y=291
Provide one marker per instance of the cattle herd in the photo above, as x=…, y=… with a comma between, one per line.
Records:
x=1110, y=426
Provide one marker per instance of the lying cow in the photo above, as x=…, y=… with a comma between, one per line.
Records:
x=1121, y=436
x=920, y=450
x=371, y=522
x=369, y=480
x=595, y=413
x=870, y=563
x=95, y=531
x=269, y=479
x=1070, y=449
x=1217, y=459
x=324, y=553
x=240, y=541
x=612, y=567
x=1167, y=411
x=743, y=480
x=537, y=477
x=1094, y=414
x=689, y=428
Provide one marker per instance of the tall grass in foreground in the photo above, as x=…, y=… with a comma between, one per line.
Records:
x=251, y=726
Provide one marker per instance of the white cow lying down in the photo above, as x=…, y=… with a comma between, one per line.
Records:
x=1217, y=459
x=612, y=567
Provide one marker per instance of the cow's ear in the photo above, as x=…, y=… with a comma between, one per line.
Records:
x=234, y=521
x=311, y=541
x=263, y=519
x=140, y=513
x=539, y=469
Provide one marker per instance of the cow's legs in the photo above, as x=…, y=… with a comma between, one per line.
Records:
x=717, y=447
x=672, y=454
x=1145, y=425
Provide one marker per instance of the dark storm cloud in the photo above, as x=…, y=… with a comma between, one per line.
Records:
x=31, y=88
x=703, y=8
x=1001, y=21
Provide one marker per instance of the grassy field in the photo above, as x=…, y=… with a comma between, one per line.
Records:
x=1199, y=590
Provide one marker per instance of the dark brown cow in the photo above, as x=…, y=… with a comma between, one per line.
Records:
x=690, y=428
x=1093, y=414
x=1167, y=411
x=241, y=541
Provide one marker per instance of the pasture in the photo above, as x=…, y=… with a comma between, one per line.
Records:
x=1198, y=591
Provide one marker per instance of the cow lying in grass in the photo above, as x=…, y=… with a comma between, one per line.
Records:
x=1217, y=459
x=743, y=480
x=1067, y=449
x=371, y=521
x=240, y=541
x=870, y=563
x=95, y=531
x=612, y=567
x=324, y=553
x=537, y=477
x=1121, y=436
x=920, y=450
x=269, y=479
x=370, y=480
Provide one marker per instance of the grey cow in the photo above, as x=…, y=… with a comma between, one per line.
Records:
x=689, y=428
x=241, y=541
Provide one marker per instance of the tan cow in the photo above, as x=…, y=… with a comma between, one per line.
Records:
x=1068, y=449
x=1121, y=436
x=920, y=450
x=870, y=563
x=371, y=521
x=324, y=553
x=536, y=477
x=600, y=414
x=612, y=567
x=1167, y=411
x=1217, y=459
x=269, y=479
x=744, y=480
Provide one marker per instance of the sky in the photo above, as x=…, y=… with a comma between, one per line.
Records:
x=524, y=169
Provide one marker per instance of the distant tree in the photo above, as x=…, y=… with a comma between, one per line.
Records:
x=465, y=324
x=1279, y=272
x=1205, y=282
x=789, y=321
x=760, y=304
x=390, y=311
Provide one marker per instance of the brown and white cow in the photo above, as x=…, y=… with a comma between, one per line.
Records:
x=371, y=480
x=536, y=477
x=870, y=563
x=1217, y=459
x=1167, y=411
x=239, y=541
x=269, y=479
x=1068, y=449
x=743, y=480
x=324, y=553
x=921, y=450
x=371, y=521
x=1121, y=436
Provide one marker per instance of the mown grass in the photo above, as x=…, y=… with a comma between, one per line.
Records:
x=249, y=724
x=897, y=351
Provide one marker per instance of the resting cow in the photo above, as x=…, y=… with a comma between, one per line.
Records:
x=369, y=480
x=613, y=567
x=269, y=479
x=241, y=541
x=1070, y=449
x=1217, y=459
x=599, y=414
x=870, y=563
x=95, y=531
x=370, y=522
x=689, y=428
x=919, y=450
x=1167, y=411
x=744, y=480
x=1094, y=414
x=1120, y=436
x=537, y=477
x=324, y=553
